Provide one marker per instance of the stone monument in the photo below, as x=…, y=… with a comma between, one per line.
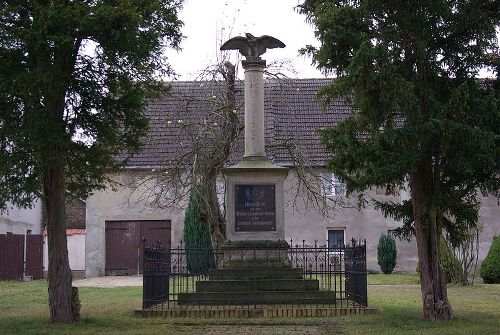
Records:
x=256, y=269
x=254, y=186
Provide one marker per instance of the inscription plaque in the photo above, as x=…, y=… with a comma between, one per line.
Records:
x=255, y=208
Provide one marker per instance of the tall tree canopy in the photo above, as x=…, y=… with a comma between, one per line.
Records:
x=424, y=119
x=74, y=80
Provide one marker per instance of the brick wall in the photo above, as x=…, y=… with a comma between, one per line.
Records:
x=75, y=213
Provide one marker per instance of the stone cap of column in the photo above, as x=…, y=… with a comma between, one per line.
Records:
x=253, y=62
x=256, y=163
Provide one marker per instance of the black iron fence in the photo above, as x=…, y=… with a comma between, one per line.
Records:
x=250, y=276
x=156, y=275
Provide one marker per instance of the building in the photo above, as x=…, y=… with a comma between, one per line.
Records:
x=22, y=221
x=117, y=220
x=30, y=221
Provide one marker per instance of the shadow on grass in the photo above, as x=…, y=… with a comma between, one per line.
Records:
x=42, y=325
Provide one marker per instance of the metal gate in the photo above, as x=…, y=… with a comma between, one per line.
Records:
x=155, y=286
x=124, y=250
x=355, y=272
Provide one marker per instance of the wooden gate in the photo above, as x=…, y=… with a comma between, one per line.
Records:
x=124, y=250
x=34, y=256
x=11, y=257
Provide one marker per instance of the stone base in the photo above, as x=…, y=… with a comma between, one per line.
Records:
x=255, y=253
x=257, y=312
x=256, y=171
x=301, y=297
x=251, y=275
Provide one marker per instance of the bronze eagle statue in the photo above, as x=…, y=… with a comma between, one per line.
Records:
x=252, y=47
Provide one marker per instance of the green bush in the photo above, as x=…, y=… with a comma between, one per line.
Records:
x=451, y=265
x=199, y=253
x=387, y=253
x=490, y=267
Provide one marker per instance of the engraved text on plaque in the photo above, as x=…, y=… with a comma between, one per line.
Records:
x=255, y=208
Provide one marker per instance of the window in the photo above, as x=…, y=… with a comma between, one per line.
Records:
x=335, y=238
x=332, y=185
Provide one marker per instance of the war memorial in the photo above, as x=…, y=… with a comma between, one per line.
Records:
x=255, y=272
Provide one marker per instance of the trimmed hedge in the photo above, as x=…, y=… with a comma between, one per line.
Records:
x=490, y=267
x=387, y=253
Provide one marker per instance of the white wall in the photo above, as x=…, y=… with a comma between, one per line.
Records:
x=108, y=205
x=489, y=221
x=19, y=221
x=306, y=223
x=76, y=252
x=301, y=222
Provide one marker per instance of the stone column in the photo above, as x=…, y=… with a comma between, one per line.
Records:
x=261, y=217
x=254, y=109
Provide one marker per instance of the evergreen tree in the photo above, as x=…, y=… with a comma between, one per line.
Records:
x=424, y=119
x=387, y=253
x=74, y=80
x=199, y=255
x=490, y=267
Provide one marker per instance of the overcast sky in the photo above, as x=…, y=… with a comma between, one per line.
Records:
x=206, y=21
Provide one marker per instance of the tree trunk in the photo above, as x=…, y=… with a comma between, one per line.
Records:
x=58, y=59
x=59, y=273
x=218, y=155
x=432, y=280
x=215, y=219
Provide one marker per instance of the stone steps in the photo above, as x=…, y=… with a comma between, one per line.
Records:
x=259, y=263
x=258, y=297
x=254, y=273
x=264, y=285
x=248, y=280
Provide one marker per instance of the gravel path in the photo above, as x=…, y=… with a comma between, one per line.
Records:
x=109, y=281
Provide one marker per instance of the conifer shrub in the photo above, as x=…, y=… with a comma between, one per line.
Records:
x=387, y=253
x=199, y=253
x=451, y=264
x=490, y=267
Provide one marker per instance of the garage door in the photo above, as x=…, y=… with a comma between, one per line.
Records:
x=124, y=244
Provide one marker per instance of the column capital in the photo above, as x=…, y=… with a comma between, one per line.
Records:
x=253, y=63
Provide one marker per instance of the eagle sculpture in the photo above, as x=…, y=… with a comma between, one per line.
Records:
x=252, y=47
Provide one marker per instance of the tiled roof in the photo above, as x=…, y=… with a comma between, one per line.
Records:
x=70, y=232
x=292, y=112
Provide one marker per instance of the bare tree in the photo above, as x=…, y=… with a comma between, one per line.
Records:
x=467, y=252
x=208, y=143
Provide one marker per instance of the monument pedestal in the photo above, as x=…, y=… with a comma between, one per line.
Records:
x=255, y=254
x=255, y=201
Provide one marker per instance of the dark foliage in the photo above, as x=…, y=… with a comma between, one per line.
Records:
x=450, y=263
x=425, y=122
x=490, y=267
x=74, y=82
x=197, y=239
x=387, y=253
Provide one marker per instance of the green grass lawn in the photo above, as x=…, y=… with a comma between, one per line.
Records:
x=23, y=310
